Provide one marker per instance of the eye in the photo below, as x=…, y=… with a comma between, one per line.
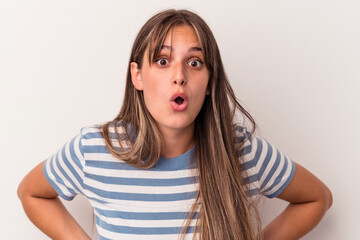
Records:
x=195, y=63
x=162, y=61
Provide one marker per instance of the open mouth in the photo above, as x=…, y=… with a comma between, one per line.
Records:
x=179, y=100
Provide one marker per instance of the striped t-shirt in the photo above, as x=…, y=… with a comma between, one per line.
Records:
x=133, y=203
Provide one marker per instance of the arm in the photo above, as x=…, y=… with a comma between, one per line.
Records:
x=44, y=208
x=309, y=200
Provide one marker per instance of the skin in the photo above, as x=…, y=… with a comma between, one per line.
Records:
x=183, y=71
x=43, y=207
x=308, y=197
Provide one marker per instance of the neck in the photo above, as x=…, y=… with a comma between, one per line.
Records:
x=177, y=142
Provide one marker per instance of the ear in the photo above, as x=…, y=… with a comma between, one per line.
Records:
x=207, y=91
x=136, y=76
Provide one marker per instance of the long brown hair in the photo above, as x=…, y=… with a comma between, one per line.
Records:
x=226, y=211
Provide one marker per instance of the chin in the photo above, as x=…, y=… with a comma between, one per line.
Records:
x=178, y=124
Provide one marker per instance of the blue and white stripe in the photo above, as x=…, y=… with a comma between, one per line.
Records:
x=132, y=203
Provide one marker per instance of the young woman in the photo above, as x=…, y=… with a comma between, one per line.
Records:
x=173, y=163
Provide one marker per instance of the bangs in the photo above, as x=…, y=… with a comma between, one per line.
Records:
x=157, y=37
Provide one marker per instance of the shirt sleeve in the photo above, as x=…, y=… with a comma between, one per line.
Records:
x=268, y=170
x=64, y=170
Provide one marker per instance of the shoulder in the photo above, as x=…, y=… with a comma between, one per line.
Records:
x=94, y=140
x=266, y=167
x=91, y=131
x=95, y=131
x=243, y=139
x=241, y=133
x=252, y=149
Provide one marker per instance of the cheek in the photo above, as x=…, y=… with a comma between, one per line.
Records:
x=155, y=91
x=200, y=100
x=199, y=94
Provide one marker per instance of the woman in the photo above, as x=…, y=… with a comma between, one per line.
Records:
x=173, y=163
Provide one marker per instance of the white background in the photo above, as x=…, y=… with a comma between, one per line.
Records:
x=295, y=65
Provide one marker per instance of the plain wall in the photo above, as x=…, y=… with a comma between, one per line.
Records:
x=295, y=65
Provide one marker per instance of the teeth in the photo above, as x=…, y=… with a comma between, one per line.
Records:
x=179, y=100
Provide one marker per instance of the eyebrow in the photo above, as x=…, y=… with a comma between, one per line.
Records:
x=192, y=49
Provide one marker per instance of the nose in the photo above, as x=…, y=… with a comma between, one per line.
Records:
x=179, y=76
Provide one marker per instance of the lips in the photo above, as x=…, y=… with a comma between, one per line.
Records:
x=179, y=102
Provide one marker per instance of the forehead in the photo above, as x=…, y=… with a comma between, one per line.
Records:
x=179, y=34
x=173, y=35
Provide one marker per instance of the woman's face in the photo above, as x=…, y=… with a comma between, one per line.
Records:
x=175, y=86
